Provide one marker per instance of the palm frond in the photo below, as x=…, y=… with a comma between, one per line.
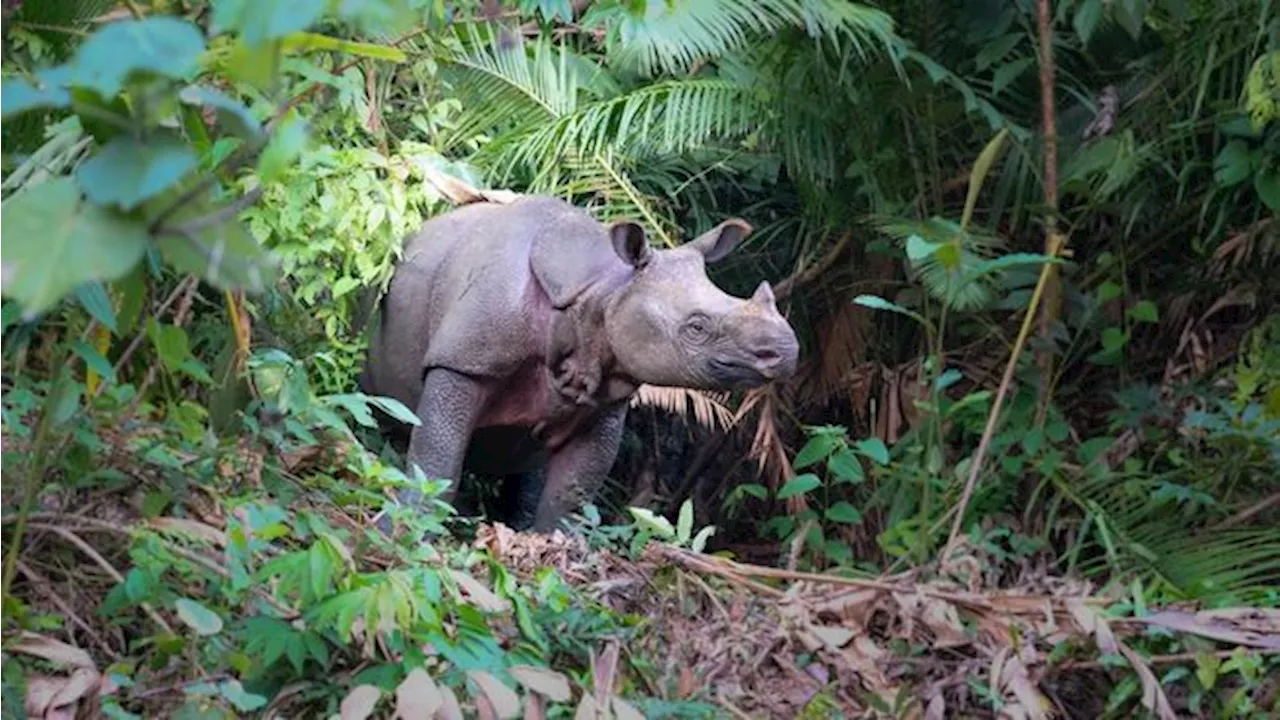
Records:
x=673, y=37
x=707, y=409
x=945, y=273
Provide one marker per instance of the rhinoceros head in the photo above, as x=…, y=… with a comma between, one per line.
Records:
x=670, y=325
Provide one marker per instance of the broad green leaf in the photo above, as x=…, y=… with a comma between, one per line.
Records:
x=1145, y=311
x=223, y=254
x=160, y=44
x=755, y=490
x=918, y=248
x=843, y=512
x=799, y=485
x=1113, y=338
x=1087, y=15
x=1267, y=185
x=1033, y=440
x=128, y=171
x=395, y=409
x=287, y=142
x=170, y=342
x=243, y=700
x=94, y=360
x=875, y=449
x=1009, y=72
x=684, y=523
x=652, y=522
x=257, y=21
x=356, y=405
x=1130, y=15
x=1007, y=261
x=1109, y=291
x=948, y=378
x=198, y=617
x=231, y=111
x=94, y=299
x=1233, y=164
x=817, y=448
x=57, y=241
x=17, y=95
x=845, y=467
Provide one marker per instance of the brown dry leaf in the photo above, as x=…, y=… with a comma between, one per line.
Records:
x=1015, y=678
x=624, y=710
x=359, y=703
x=52, y=650
x=450, y=709
x=544, y=681
x=686, y=684
x=194, y=528
x=505, y=701
x=603, y=671
x=418, y=696
x=833, y=637
x=1153, y=697
x=588, y=709
x=481, y=596
x=58, y=697
x=1092, y=622
x=1222, y=625
x=944, y=621
x=867, y=659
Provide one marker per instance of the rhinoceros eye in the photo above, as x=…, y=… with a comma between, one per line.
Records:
x=697, y=329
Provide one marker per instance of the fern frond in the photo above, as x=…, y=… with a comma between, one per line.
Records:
x=673, y=37
x=707, y=409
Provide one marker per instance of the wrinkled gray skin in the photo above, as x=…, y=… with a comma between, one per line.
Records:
x=519, y=332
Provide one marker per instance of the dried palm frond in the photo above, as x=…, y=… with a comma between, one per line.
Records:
x=707, y=409
x=768, y=448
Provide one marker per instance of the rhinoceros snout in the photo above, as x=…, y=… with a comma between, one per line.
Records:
x=775, y=358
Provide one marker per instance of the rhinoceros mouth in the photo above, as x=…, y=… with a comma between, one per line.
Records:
x=727, y=372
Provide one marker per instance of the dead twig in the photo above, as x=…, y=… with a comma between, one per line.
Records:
x=102, y=562
x=40, y=583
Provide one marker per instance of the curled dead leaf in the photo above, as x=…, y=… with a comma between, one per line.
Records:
x=588, y=709
x=418, y=697
x=833, y=637
x=505, y=701
x=624, y=710
x=544, y=681
x=359, y=703
x=56, y=651
x=1153, y=697
x=450, y=709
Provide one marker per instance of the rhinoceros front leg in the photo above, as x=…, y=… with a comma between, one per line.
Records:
x=448, y=409
x=576, y=471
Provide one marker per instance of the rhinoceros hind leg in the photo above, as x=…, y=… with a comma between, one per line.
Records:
x=448, y=409
x=517, y=505
x=578, y=469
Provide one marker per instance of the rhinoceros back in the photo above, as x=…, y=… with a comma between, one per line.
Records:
x=474, y=287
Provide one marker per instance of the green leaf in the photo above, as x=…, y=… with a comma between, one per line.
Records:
x=58, y=242
x=303, y=41
x=1032, y=441
x=684, y=523
x=818, y=448
x=1145, y=311
x=244, y=701
x=875, y=449
x=286, y=144
x=1233, y=164
x=653, y=523
x=845, y=467
x=1109, y=291
x=1009, y=72
x=978, y=176
x=799, y=485
x=94, y=360
x=160, y=45
x=1007, y=261
x=231, y=111
x=843, y=512
x=395, y=409
x=198, y=617
x=755, y=490
x=1113, y=338
x=1088, y=13
x=18, y=96
x=258, y=21
x=223, y=254
x=878, y=303
x=93, y=298
x=700, y=540
x=918, y=248
x=128, y=171
x=1131, y=15
x=170, y=342
x=1267, y=185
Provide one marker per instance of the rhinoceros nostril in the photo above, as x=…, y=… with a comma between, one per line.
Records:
x=767, y=355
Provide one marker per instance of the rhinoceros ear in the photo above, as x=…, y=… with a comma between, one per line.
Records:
x=630, y=243
x=721, y=239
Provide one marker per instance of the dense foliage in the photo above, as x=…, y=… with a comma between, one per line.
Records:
x=1038, y=341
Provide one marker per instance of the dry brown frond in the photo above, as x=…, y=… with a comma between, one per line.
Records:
x=768, y=448
x=842, y=338
x=708, y=409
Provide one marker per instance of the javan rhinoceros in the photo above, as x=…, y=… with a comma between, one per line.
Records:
x=519, y=332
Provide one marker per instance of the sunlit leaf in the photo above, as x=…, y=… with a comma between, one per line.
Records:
x=799, y=485
x=128, y=171
x=159, y=44
x=198, y=617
